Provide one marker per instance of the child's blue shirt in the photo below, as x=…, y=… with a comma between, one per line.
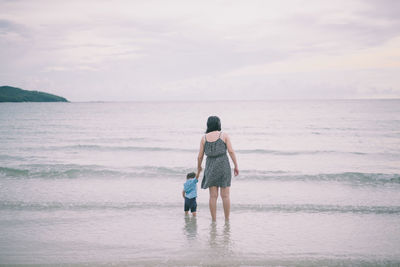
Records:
x=190, y=187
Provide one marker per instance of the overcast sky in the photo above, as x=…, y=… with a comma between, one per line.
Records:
x=202, y=50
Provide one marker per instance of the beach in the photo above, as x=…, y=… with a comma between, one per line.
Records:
x=101, y=183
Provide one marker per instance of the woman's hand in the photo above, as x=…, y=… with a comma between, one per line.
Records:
x=236, y=171
x=198, y=172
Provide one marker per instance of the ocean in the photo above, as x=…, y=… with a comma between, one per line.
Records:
x=100, y=184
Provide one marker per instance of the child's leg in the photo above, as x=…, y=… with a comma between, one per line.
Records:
x=186, y=206
x=194, y=207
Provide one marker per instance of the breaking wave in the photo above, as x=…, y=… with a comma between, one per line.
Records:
x=61, y=171
x=287, y=208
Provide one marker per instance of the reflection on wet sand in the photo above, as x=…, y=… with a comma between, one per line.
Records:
x=190, y=228
x=220, y=239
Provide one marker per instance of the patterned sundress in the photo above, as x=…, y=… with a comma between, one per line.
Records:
x=218, y=170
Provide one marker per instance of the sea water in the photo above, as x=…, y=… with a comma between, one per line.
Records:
x=101, y=183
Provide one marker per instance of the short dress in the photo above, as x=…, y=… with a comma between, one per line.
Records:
x=218, y=170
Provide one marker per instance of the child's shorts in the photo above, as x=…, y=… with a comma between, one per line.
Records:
x=190, y=204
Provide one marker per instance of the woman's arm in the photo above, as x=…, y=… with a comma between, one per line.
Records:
x=200, y=158
x=232, y=154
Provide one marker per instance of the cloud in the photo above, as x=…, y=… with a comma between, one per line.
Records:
x=12, y=33
x=187, y=49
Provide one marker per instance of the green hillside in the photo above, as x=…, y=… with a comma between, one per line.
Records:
x=13, y=94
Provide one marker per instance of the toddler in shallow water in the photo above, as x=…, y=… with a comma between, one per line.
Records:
x=189, y=193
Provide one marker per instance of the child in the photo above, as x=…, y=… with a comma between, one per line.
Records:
x=189, y=193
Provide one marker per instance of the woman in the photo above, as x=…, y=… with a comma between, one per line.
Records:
x=217, y=173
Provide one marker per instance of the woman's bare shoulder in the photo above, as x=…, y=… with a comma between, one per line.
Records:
x=224, y=136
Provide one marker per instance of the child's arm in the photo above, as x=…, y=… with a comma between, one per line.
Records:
x=183, y=193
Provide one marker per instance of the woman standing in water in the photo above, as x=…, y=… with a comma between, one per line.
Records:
x=217, y=173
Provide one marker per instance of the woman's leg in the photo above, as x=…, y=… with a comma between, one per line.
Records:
x=213, y=202
x=226, y=201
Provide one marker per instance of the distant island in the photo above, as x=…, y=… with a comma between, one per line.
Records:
x=13, y=94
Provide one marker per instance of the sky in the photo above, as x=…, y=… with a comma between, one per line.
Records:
x=202, y=50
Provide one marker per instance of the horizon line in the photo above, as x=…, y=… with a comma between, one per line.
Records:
x=232, y=100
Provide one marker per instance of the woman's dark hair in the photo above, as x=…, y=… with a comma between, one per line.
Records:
x=213, y=124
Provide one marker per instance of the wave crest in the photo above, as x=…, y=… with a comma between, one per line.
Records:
x=114, y=148
x=60, y=171
x=287, y=208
